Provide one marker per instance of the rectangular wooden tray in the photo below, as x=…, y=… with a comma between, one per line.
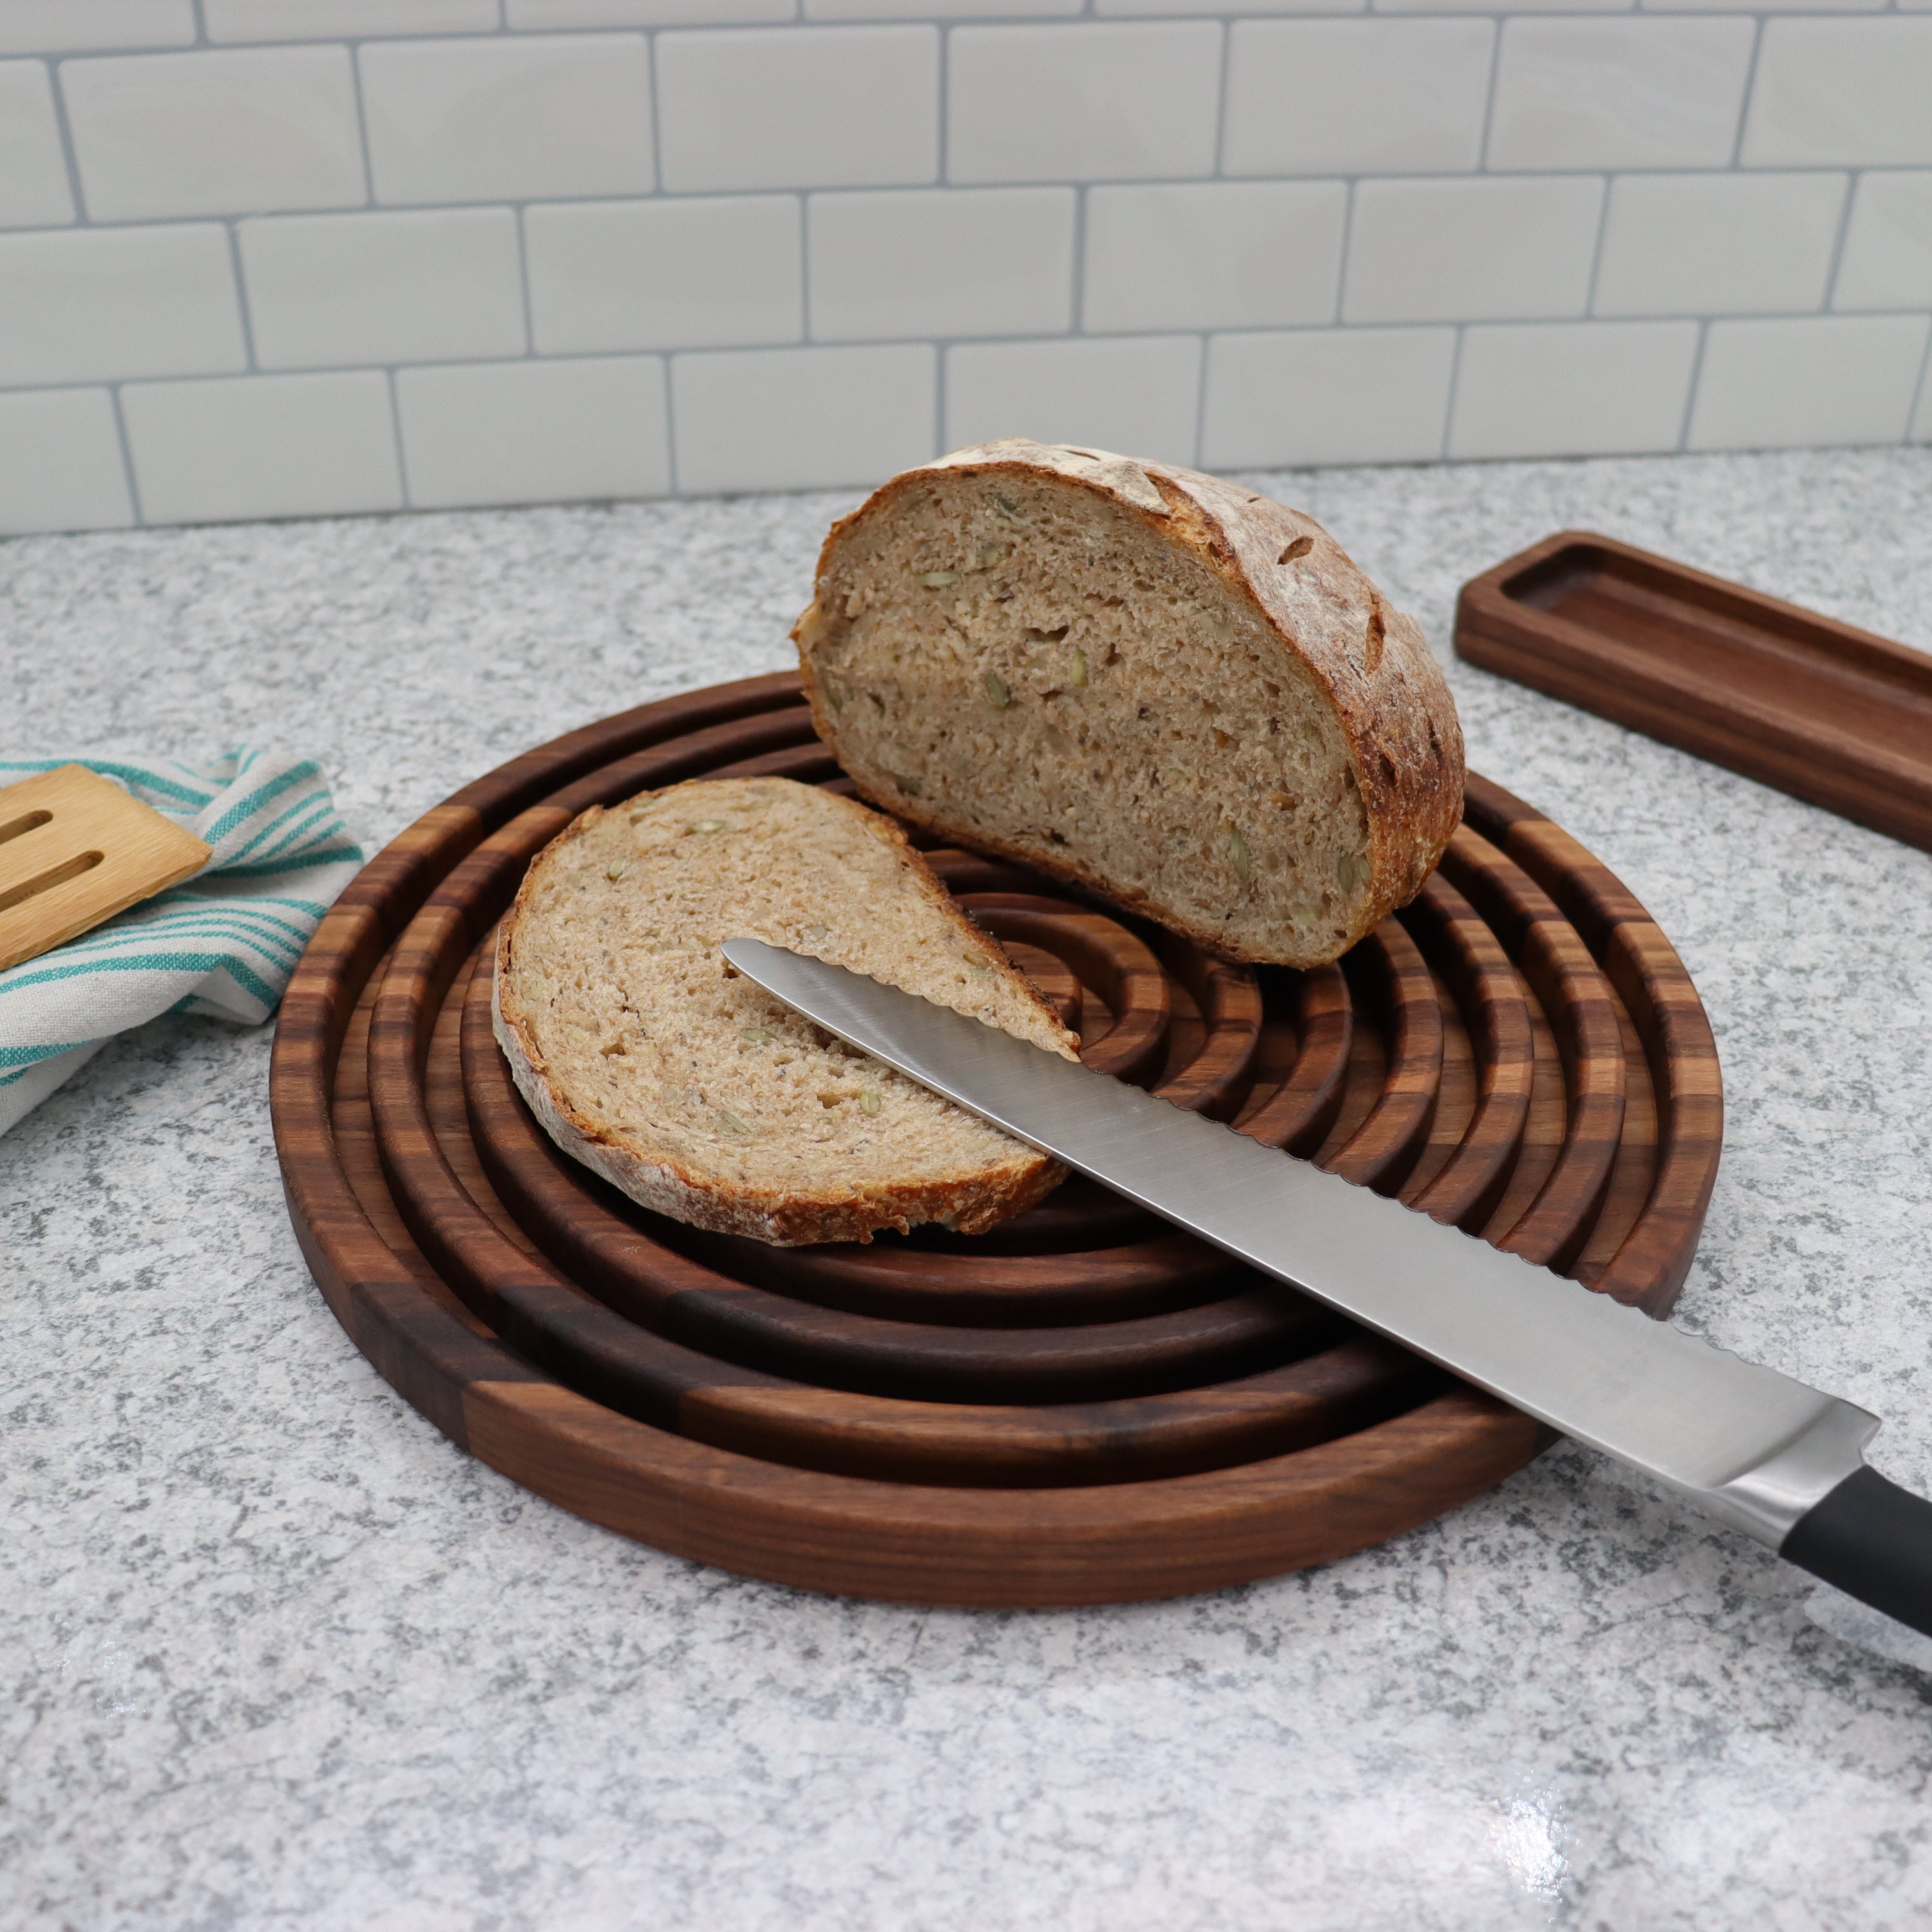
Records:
x=1829, y=714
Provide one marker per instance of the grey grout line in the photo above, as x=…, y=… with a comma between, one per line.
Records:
x=1076, y=293
x=1853, y=178
x=1607, y=186
x=941, y=360
x=1692, y=387
x=1201, y=402
x=1489, y=100
x=1348, y=243
x=242, y=303
x=1402, y=325
x=369, y=206
x=1221, y=102
x=523, y=282
x=618, y=197
x=943, y=111
x=396, y=433
x=1750, y=90
x=657, y=116
x=127, y=454
x=1921, y=390
x=808, y=323
x=1496, y=9
x=675, y=488
x=1455, y=389
x=69, y=156
x=361, y=125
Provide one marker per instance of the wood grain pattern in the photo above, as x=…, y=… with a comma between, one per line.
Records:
x=1574, y=998
x=74, y=850
x=1830, y=714
x=1466, y=1187
x=1084, y=1406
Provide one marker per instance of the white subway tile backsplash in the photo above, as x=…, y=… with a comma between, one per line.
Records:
x=1494, y=248
x=945, y=9
x=1572, y=389
x=1129, y=9
x=262, y=446
x=1773, y=6
x=1334, y=395
x=1888, y=258
x=1723, y=244
x=1619, y=94
x=801, y=418
x=1532, y=7
x=534, y=432
x=626, y=246
x=95, y=304
x=332, y=289
x=1356, y=97
x=241, y=131
x=716, y=272
x=1841, y=93
x=1136, y=394
x=1811, y=379
x=508, y=119
x=541, y=13
x=34, y=193
x=60, y=463
x=329, y=20
x=69, y=26
x=1212, y=255
x=832, y=107
x=995, y=261
x=1126, y=102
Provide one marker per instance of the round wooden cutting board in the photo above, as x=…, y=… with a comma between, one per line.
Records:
x=1083, y=1405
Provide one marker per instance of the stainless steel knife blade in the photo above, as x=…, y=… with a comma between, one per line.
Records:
x=1756, y=1449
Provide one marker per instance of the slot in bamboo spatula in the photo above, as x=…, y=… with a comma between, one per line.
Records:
x=75, y=850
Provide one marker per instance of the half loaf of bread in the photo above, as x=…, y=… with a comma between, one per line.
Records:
x=646, y=1057
x=1147, y=681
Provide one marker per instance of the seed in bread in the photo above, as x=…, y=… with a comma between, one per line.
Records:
x=1146, y=681
x=645, y=1057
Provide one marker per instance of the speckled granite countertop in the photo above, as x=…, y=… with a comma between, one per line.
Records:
x=278, y=1655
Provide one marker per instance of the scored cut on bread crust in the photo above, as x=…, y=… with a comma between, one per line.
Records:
x=971, y=655
x=644, y=1055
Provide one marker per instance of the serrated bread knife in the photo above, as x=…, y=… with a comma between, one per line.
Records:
x=1771, y=1456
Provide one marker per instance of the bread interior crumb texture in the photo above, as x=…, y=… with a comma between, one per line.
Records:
x=724, y=1104
x=1068, y=678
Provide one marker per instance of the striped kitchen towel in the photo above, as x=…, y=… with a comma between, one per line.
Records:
x=223, y=942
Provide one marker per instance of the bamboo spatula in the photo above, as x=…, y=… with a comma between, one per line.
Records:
x=74, y=850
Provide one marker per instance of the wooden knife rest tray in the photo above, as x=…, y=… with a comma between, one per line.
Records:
x=1827, y=713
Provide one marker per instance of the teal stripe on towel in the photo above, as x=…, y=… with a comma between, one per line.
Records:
x=222, y=943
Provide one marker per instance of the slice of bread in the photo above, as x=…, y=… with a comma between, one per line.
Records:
x=1148, y=682
x=649, y=1058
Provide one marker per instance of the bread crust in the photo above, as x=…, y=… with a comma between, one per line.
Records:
x=791, y=1217
x=1370, y=660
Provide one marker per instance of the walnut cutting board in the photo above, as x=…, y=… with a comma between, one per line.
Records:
x=1084, y=1405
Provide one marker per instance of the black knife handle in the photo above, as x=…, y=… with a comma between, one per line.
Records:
x=1873, y=1541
